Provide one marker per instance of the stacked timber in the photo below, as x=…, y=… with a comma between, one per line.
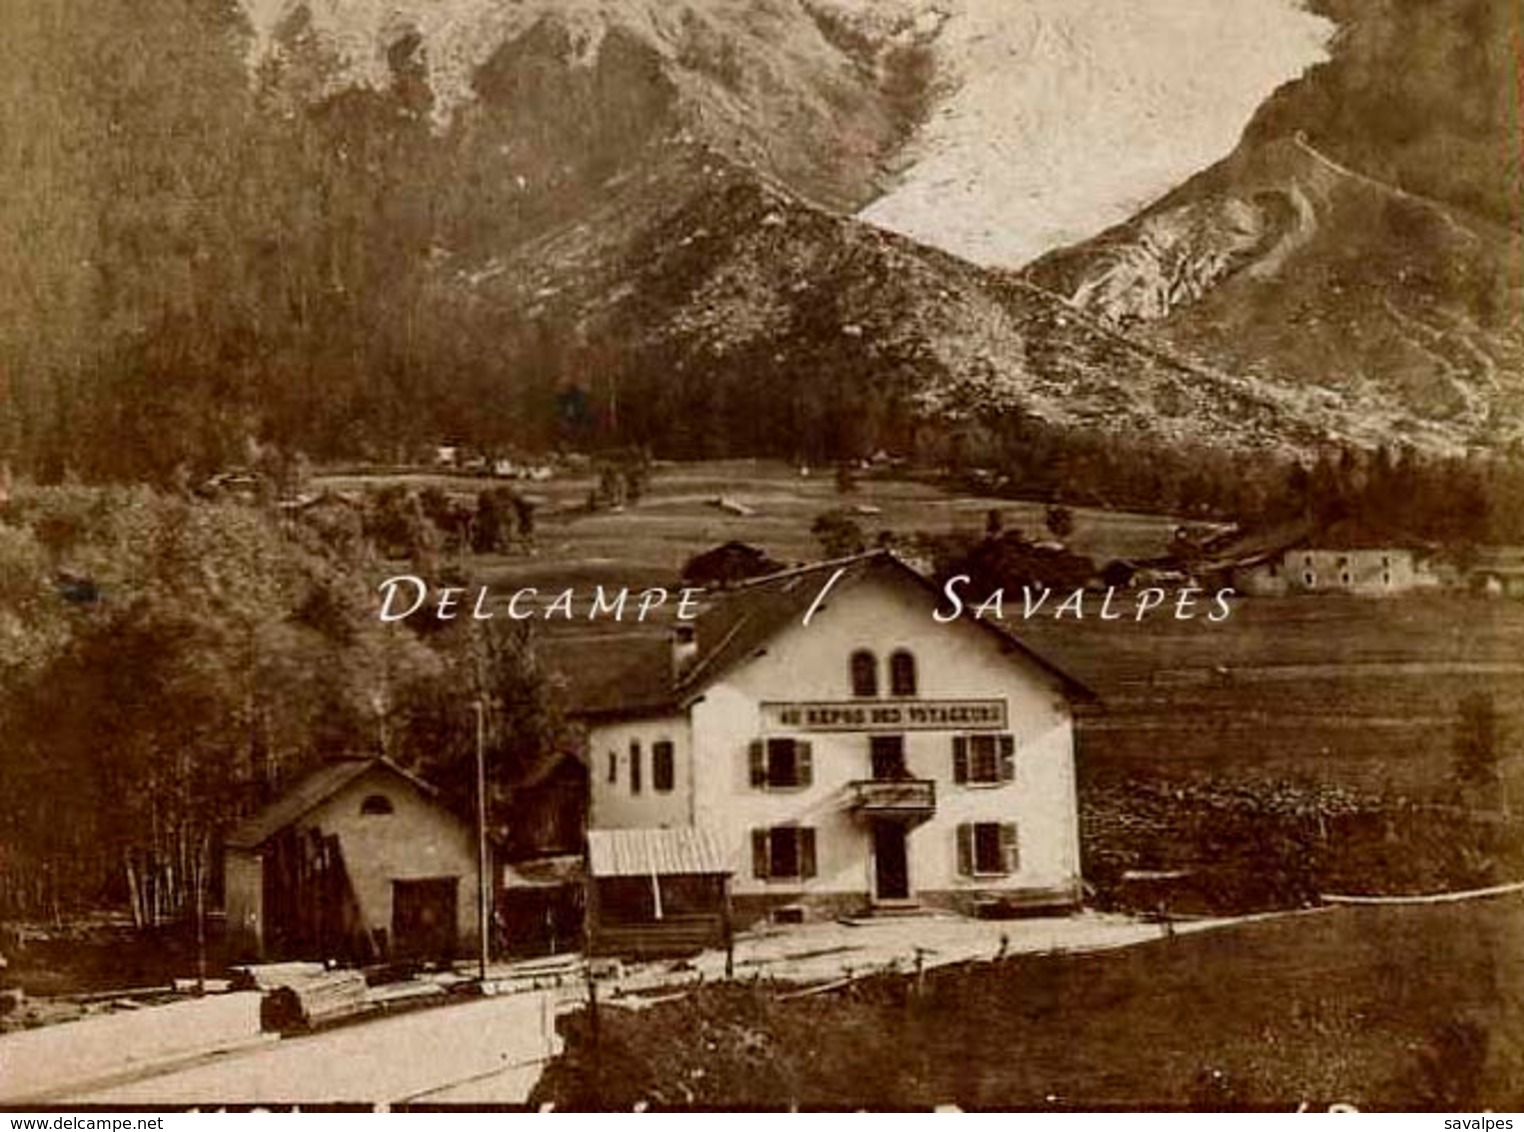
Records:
x=305, y=1004
x=268, y=976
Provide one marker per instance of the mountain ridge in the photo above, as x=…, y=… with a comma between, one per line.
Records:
x=1286, y=264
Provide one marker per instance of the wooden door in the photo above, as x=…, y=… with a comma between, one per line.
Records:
x=424, y=918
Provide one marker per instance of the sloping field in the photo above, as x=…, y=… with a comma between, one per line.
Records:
x=1355, y=691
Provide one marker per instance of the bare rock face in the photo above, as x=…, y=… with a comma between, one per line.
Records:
x=815, y=94
x=1360, y=247
x=733, y=305
x=1285, y=265
x=1176, y=258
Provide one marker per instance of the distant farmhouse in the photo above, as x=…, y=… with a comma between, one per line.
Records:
x=754, y=766
x=1301, y=557
x=1498, y=571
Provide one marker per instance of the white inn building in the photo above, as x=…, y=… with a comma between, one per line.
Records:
x=872, y=759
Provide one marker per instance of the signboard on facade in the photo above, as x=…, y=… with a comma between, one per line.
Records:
x=878, y=715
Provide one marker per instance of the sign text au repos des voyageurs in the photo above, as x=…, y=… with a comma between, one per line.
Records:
x=908, y=715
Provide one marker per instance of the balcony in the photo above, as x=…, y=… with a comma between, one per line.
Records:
x=905, y=799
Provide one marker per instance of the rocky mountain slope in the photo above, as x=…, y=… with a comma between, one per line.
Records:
x=428, y=218
x=1402, y=312
x=652, y=202
x=715, y=307
x=815, y=93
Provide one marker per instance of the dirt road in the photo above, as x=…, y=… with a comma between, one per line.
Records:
x=489, y=1050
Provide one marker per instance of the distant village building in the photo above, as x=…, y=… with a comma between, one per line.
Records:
x=1300, y=558
x=728, y=564
x=359, y=861
x=1497, y=571
x=872, y=759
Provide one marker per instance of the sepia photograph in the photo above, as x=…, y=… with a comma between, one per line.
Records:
x=761, y=556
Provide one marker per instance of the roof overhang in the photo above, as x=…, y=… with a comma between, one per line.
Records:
x=655, y=852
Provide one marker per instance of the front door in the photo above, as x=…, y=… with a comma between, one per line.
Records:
x=423, y=918
x=891, y=866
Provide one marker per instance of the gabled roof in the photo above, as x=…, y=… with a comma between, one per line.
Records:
x=734, y=546
x=310, y=793
x=741, y=621
x=757, y=610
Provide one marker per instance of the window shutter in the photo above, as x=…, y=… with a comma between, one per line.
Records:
x=960, y=758
x=1007, y=758
x=1010, y=855
x=804, y=763
x=807, y=852
x=966, y=850
x=759, y=853
x=758, y=754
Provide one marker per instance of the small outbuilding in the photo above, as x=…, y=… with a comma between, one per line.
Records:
x=360, y=861
x=653, y=892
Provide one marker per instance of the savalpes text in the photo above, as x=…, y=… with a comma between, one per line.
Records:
x=1183, y=604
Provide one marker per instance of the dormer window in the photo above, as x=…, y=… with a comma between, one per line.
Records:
x=375, y=804
x=864, y=673
x=902, y=674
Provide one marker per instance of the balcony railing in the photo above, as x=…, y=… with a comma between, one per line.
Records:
x=895, y=797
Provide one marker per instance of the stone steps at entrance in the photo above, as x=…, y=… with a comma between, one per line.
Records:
x=876, y=912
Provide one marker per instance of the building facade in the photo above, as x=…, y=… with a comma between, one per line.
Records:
x=870, y=759
x=1299, y=557
x=1376, y=572
x=359, y=861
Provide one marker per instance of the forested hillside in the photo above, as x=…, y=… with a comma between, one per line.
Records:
x=212, y=252
x=168, y=665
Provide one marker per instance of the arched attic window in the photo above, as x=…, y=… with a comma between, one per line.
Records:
x=376, y=804
x=864, y=673
x=902, y=673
